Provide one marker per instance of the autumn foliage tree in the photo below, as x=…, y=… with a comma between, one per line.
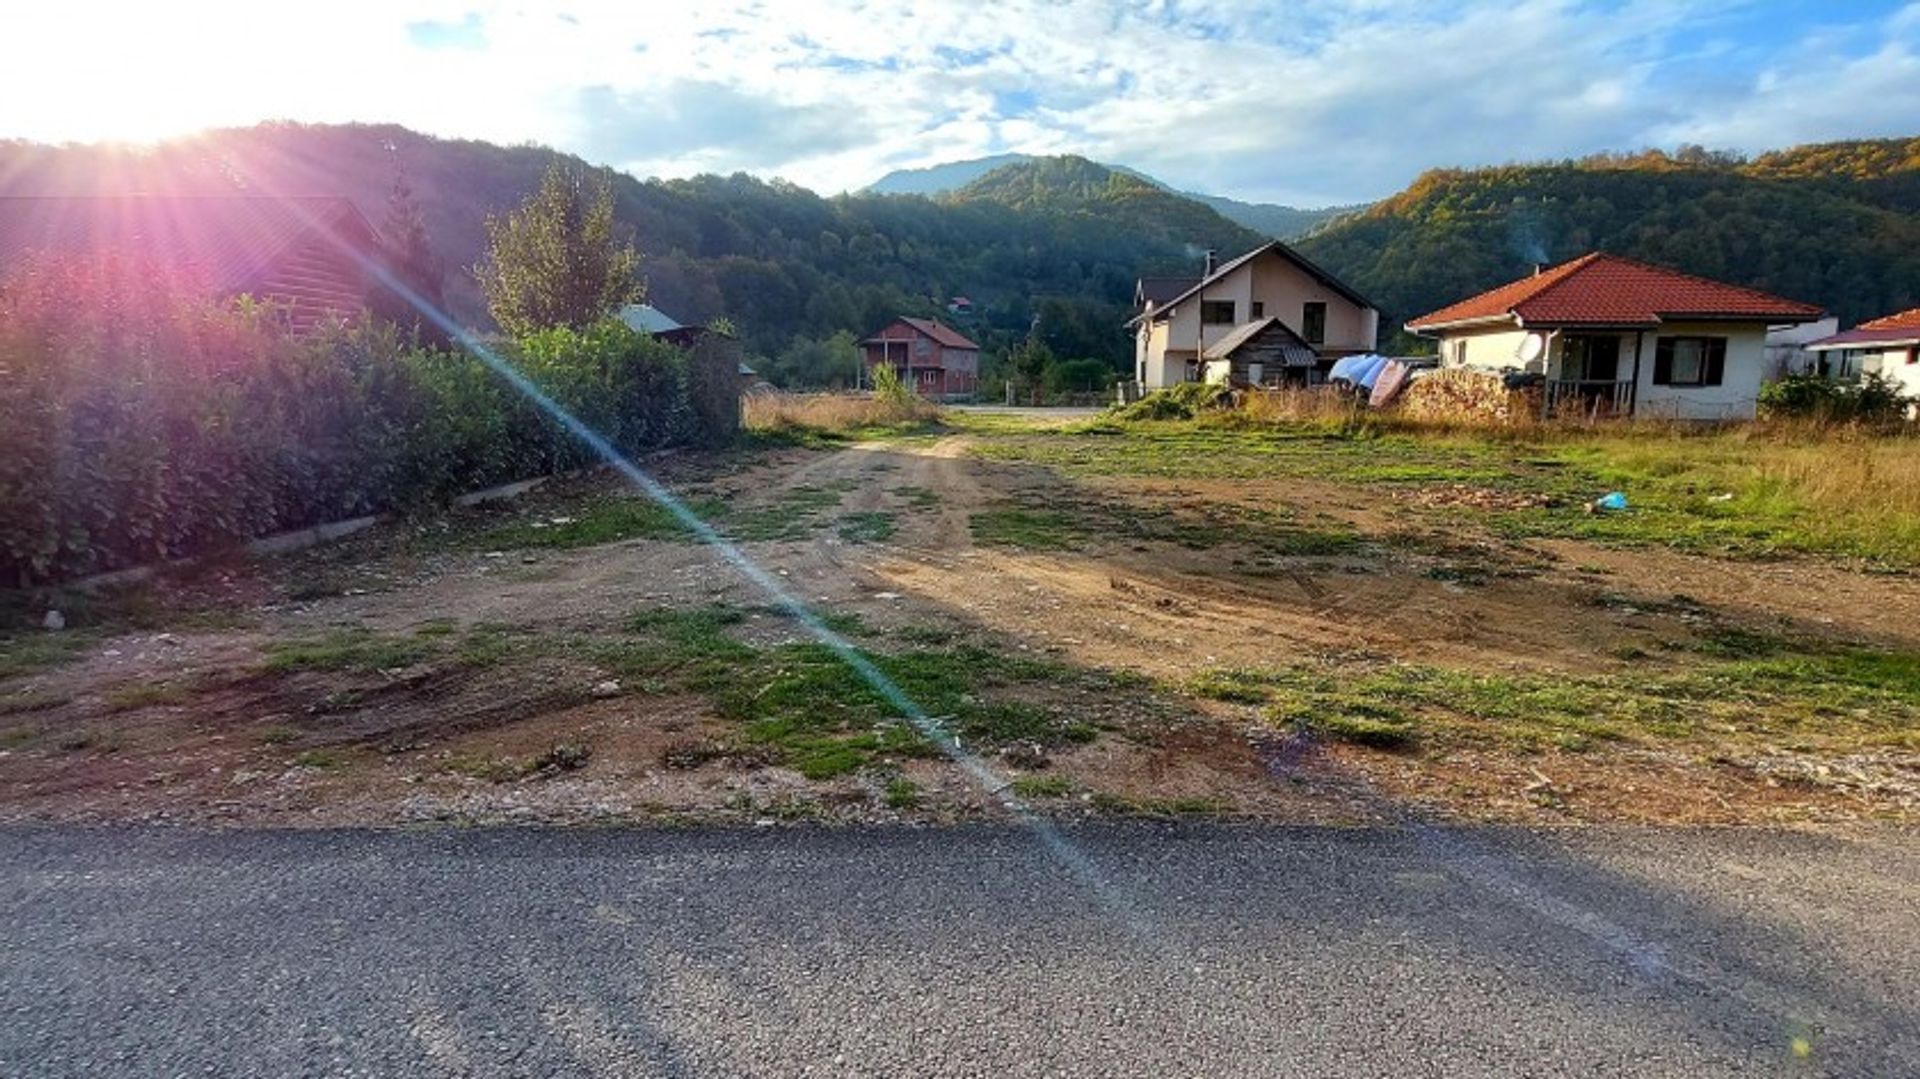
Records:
x=560, y=259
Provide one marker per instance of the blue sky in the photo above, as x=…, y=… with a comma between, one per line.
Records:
x=1307, y=103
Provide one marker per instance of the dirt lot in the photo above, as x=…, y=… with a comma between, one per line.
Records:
x=1105, y=639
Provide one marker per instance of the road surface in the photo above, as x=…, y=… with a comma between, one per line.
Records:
x=1126, y=949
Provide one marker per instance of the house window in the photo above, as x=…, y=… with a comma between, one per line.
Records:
x=1259, y=310
x=1216, y=312
x=1689, y=361
x=1313, y=322
x=1913, y=354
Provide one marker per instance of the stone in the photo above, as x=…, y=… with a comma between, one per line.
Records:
x=54, y=620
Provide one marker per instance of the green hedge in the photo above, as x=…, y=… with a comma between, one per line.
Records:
x=140, y=421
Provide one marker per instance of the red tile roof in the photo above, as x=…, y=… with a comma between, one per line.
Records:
x=934, y=328
x=1905, y=320
x=1900, y=329
x=1607, y=290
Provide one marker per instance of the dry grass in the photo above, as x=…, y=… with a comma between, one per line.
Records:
x=833, y=412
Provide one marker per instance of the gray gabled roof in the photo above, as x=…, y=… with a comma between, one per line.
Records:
x=1292, y=346
x=1158, y=290
x=1228, y=267
x=647, y=318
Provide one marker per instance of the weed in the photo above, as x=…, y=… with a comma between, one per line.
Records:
x=278, y=734
x=795, y=514
x=563, y=757
x=146, y=695
x=31, y=701
x=902, y=793
x=357, y=649
x=1042, y=786
x=917, y=498
x=27, y=653
x=867, y=527
x=1033, y=530
x=325, y=760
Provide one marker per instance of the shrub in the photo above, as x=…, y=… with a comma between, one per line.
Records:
x=1180, y=402
x=141, y=420
x=1873, y=399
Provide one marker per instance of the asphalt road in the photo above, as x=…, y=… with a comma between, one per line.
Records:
x=1133, y=949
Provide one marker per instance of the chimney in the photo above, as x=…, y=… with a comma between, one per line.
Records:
x=1213, y=258
x=1539, y=268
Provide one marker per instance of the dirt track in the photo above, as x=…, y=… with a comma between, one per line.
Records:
x=1146, y=607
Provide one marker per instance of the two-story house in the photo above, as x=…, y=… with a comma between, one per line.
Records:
x=933, y=358
x=1267, y=318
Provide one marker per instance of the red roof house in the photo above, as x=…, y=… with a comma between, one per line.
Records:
x=1888, y=347
x=1614, y=336
x=306, y=255
x=934, y=358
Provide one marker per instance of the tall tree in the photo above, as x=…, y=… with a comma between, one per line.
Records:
x=406, y=253
x=560, y=259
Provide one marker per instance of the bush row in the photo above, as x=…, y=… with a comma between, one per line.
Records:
x=140, y=420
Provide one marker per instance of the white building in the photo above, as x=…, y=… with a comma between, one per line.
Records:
x=1888, y=347
x=1616, y=337
x=1182, y=322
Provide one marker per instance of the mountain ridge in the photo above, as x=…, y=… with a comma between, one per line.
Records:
x=1276, y=220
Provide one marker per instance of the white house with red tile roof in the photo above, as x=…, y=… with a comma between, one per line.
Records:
x=1613, y=336
x=1270, y=293
x=1888, y=347
x=935, y=359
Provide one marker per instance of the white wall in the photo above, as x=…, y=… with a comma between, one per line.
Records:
x=1497, y=346
x=1282, y=287
x=1735, y=398
x=1892, y=364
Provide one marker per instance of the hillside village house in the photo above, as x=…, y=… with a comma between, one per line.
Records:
x=928, y=355
x=1613, y=336
x=1267, y=318
x=306, y=255
x=1888, y=347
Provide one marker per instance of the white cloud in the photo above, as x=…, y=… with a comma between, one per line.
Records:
x=1333, y=101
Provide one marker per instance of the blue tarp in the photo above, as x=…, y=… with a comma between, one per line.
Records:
x=1347, y=366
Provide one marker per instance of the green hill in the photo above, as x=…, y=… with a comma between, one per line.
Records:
x=1065, y=238
x=1061, y=237
x=1834, y=224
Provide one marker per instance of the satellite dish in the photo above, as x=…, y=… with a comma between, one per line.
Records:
x=1531, y=346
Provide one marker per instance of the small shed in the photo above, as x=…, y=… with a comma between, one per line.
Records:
x=1263, y=352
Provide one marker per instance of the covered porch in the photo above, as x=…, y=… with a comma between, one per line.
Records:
x=1591, y=373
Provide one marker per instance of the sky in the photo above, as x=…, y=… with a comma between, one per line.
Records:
x=1309, y=103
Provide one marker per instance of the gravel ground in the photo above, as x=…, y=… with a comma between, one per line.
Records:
x=1123, y=949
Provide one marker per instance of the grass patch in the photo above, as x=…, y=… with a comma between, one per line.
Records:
x=917, y=498
x=870, y=526
x=325, y=760
x=902, y=793
x=1032, y=530
x=31, y=701
x=793, y=516
x=1745, y=491
x=1828, y=697
x=27, y=653
x=357, y=649
x=146, y=695
x=1042, y=787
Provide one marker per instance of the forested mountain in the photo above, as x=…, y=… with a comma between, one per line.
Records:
x=1267, y=218
x=1065, y=238
x=1835, y=224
